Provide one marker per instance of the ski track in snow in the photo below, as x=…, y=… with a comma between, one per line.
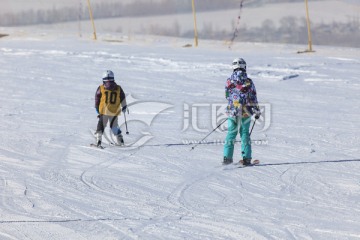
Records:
x=55, y=187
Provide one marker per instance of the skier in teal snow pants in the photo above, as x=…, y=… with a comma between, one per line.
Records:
x=242, y=104
x=242, y=126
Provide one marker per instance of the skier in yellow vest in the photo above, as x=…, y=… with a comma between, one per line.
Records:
x=110, y=101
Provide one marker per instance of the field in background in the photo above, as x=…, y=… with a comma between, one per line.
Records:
x=333, y=23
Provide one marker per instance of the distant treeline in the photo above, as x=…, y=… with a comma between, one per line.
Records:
x=290, y=30
x=111, y=10
x=294, y=30
x=118, y=9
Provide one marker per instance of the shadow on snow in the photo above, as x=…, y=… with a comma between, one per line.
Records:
x=307, y=162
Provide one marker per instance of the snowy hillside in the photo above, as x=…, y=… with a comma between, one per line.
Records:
x=53, y=186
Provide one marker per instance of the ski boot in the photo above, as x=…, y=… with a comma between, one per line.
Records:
x=120, y=140
x=227, y=161
x=245, y=161
x=98, y=138
x=249, y=162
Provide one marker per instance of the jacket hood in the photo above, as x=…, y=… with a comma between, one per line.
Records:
x=109, y=85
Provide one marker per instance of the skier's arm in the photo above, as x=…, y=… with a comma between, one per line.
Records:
x=227, y=86
x=123, y=100
x=97, y=99
x=253, y=100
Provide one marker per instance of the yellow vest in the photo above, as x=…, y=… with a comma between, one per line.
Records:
x=110, y=101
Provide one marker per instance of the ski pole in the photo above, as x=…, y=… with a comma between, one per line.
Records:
x=127, y=131
x=252, y=127
x=208, y=134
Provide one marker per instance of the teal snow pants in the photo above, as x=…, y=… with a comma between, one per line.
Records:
x=234, y=125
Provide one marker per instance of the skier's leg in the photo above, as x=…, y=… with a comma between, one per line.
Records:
x=245, y=138
x=230, y=139
x=100, y=129
x=116, y=130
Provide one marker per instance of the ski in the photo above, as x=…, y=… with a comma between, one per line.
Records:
x=96, y=146
x=253, y=163
x=240, y=165
x=117, y=145
x=111, y=145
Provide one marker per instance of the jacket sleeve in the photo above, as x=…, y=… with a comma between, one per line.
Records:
x=253, y=96
x=122, y=98
x=97, y=99
x=228, y=86
x=226, y=92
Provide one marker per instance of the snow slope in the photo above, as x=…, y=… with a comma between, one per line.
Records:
x=53, y=186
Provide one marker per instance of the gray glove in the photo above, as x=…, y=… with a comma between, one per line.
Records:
x=256, y=112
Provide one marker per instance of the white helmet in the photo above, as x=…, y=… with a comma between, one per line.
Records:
x=108, y=76
x=239, y=63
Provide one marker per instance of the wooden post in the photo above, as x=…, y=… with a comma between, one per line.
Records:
x=308, y=26
x=92, y=19
x=195, y=28
x=80, y=18
x=309, y=31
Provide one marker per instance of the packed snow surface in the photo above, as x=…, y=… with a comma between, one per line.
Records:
x=54, y=186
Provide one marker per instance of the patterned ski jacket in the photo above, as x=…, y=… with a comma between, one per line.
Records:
x=109, y=98
x=241, y=95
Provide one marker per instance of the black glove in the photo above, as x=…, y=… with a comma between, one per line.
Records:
x=124, y=109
